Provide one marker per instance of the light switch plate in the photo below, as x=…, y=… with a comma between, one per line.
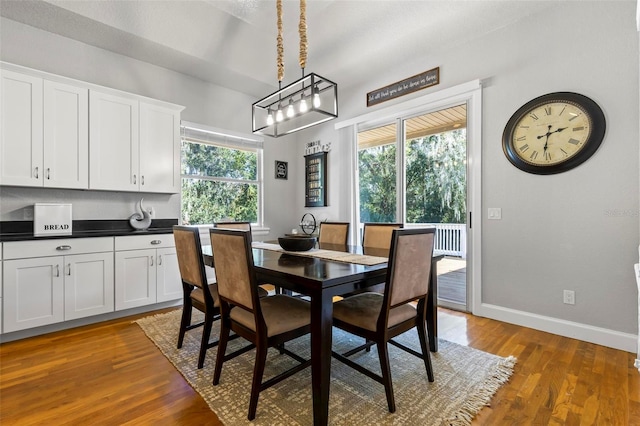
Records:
x=495, y=213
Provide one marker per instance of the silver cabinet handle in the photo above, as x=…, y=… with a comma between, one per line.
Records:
x=160, y=260
x=69, y=269
x=142, y=179
x=151, y=258
x=48, y=173
x=57, y=271
x=134, y=179
x=156, y=242
x=36, y=172
x=63, y=248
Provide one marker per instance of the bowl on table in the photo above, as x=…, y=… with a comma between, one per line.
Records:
x=297, y=242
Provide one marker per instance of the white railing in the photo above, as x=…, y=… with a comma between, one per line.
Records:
x=451, y=238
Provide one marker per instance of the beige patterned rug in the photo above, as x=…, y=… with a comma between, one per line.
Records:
x=465, y=381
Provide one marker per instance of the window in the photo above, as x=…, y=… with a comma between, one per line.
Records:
x=221, y=177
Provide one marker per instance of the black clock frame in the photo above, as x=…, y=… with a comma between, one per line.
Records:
x=598, y=127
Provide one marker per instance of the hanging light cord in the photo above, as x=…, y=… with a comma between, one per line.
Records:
x=280, y=43
x=302, y=29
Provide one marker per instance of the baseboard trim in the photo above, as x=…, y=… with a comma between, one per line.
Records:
x=600, y=336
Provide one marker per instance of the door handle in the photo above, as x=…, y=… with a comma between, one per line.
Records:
x=63, y=248
x=160, y=260
x=57, y=271
x=135, y=181
x=36, y=172
x=156, y=242
x=48, y=173
x=69, y=269
x=151, y=259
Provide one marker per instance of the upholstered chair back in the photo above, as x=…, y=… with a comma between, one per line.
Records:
x=334, y=233
x=409, y=265
x=232, y=258
x=244, y=226
x=189, y=252
x=378, y=235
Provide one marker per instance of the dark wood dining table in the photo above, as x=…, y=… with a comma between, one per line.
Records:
x=321, y=280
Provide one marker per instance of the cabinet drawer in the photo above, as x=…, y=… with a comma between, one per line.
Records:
x=56, y=247
x=139, y=242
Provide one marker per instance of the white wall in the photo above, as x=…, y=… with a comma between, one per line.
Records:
x=577, y=230
x=205, y=103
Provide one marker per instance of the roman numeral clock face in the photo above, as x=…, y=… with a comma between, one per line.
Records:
x=553, y=133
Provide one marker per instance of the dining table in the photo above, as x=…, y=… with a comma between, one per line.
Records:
x=321, y=279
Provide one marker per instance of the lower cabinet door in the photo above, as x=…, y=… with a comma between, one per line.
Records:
x=169, y=283
x=88, y=285
x=33, y=292
x=135, y=278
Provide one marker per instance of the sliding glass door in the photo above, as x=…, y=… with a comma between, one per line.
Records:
x=414, y=170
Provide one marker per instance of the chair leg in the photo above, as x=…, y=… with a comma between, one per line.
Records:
x=258, y=371
x=383, y=354
x=204, y=343
x=222, y=348
x=426, y=355
x=185, y=321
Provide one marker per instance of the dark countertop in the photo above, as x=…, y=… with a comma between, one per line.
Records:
x=23, y=230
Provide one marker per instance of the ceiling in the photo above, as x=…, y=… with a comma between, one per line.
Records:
x=232, y=43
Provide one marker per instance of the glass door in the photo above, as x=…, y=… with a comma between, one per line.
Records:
x=414, y=171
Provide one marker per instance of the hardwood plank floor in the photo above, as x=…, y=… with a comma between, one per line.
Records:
x=111, y=374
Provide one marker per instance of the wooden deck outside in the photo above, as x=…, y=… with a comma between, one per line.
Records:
x=452, y=280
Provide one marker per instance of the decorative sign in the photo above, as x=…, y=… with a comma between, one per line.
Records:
x=52, y=219
x=404, y=87
x=317, y=146
x=282, y=169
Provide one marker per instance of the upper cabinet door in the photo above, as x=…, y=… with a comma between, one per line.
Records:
x=66, y=136
x=159, y=149
x=21, y=130
x=113, y=142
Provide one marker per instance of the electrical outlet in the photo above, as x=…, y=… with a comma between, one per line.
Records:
x=569, y=297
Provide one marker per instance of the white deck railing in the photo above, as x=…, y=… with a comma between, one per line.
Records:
x=451, y=238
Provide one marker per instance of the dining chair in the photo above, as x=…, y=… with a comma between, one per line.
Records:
x=381, y=317
x=334, y=233
x=378, y=235
x=264, y=322
x=245, y=226
x=198, y=291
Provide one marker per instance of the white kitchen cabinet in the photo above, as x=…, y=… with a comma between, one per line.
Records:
x=88, y=285
x=21, y=140
x=33, y=292
x=159, y=148
x=66, y=136
x=146, y=270
x=168, y=281
x=45, y=133
x=50, y=281
x=113, y=142
x=135, y=145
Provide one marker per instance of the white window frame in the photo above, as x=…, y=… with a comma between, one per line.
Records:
x=201, y=133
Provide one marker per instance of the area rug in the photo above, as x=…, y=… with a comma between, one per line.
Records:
x=465, y=381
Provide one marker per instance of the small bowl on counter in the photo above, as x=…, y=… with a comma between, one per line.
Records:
x=297, y=242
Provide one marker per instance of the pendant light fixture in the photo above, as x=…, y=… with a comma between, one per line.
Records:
x=306, y=102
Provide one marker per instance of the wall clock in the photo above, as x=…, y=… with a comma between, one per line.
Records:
x=553, y=133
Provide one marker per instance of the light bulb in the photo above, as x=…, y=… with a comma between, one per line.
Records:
x=303, y=105
x=316, y=99
x=290, y=111
x=279, y=115
x=270, y=118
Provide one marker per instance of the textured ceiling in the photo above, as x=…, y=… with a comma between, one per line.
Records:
x=232, y=43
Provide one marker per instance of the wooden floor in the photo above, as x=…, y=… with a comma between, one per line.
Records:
x=111, y=374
